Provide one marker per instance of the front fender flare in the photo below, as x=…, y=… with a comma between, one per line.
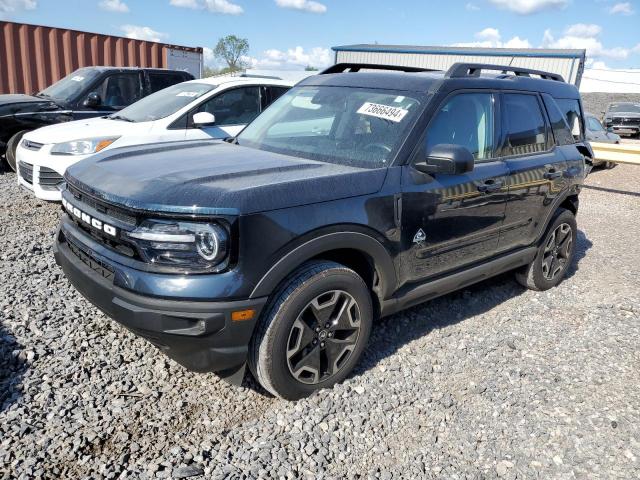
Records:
x=326, y=243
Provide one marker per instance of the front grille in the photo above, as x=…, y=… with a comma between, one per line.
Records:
x=26, y=172
x=626, y=121
x=102, y=207
x=49, y=179
x=102, y=268
x=29, y=145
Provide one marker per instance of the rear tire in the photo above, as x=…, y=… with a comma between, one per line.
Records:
x=554, y=256
x=313, y=332
x=12, y=146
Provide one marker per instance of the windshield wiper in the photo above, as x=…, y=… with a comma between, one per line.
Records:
x=43, y=95
x=120, y=117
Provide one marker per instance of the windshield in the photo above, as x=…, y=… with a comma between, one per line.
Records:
x=625, y=107
x=344, y=125
x=164, y=103
x=71, y=85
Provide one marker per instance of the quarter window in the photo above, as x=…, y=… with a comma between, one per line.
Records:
x=234, y=107
x=466, y=120
x=573, y=114
x=561, y=130
x=524, y=125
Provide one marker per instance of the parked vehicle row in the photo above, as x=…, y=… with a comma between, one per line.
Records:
x=213, y=108
x=359, y=192
x=86, y=93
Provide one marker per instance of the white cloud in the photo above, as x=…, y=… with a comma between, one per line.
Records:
x=143, y=33
x=292, y=59
x=528, y=7
x=8, y=7
x=114, y=6
x=491, y=38
x=581, y=36
x=224, y=7
x=472, y=7
x=305, y=5
x=623, y=8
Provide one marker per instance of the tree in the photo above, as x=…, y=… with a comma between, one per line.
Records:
x=231, y=49
x=310, y=68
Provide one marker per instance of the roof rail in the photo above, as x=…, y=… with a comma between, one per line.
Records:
x=460, y=70
x=356, y=67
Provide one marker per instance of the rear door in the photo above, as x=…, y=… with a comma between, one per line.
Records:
x=537, y=167
x=450, y=221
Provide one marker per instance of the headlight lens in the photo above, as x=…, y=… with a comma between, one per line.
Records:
x=195, y=247
x=83, y=147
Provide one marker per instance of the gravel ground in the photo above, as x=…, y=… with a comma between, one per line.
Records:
x=492, y=381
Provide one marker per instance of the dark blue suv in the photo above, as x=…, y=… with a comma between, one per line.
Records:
x=362, y=191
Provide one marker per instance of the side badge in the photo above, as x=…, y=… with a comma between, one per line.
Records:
x=420, y=236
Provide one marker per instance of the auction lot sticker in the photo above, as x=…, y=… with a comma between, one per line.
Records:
x=395, y=114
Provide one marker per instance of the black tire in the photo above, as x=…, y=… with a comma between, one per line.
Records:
x=542, y=274
x=609, y=165
x=12, y=146
x=279, y=331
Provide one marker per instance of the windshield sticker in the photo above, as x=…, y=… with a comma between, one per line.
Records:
x=187, y=94
x=394, y=114
x=399, y=99
x=77, y=78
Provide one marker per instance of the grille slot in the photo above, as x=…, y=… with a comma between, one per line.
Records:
x=49, y=179
x=26, y=172
x=102, y=207
x=94, y=264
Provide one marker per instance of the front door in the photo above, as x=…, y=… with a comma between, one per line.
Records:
x=450, y=221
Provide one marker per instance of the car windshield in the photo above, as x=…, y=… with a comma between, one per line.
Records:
x=625, y=108
x=70, y=86
x=164, y=102
x=345, y=125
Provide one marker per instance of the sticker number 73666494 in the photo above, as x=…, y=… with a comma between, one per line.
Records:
x=395, y=114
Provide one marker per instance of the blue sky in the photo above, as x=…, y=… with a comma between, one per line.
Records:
x=293, y=33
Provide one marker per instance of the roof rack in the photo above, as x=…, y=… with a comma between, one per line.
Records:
x=460, y=70
x=356, y=67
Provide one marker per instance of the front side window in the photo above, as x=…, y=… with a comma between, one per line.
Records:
x=524, y=125
x=466, y=120
x=119, y=90
x=165, y=102
x=594, y=125
x=345, y=125
x=573, y=114
x=234, y=107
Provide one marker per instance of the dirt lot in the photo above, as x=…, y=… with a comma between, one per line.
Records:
x=492, y=381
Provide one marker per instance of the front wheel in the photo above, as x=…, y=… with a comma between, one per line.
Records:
x=12, y=146
x=313, y=332
x=554, y=255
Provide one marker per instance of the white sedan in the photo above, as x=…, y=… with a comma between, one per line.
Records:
x=199, y=109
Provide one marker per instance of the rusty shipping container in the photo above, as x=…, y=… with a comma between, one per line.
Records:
x=32, y=57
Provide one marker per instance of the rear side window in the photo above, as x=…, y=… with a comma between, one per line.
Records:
x=158, y=81
x=571, y=110
x=466, y=120
x=524, y=125
x=559, y=125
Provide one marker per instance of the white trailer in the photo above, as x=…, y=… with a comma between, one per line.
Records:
x=568, y=63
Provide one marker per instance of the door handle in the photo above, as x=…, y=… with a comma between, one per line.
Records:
x=552, y=173
x=490, y=186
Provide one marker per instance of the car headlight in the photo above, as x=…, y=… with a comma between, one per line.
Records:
x=195, y=247
x=83, y=147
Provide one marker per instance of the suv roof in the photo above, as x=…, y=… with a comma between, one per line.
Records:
x=464, y=75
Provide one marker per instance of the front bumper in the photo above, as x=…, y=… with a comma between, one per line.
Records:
x=199, y=335
x=626, y=129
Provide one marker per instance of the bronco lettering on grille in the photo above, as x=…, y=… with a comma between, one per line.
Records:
x=88, y=219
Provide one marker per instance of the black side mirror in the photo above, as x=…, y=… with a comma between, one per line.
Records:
x=447, y=159
x=92, y=101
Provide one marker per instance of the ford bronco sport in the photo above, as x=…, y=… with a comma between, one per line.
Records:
x=360, y=192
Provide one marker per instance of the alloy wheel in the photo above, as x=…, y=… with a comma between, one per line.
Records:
x=557, y=251
x=323, y=337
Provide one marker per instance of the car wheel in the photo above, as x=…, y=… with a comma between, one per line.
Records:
x=313, y=331
x=554, y=255
x=12, y=146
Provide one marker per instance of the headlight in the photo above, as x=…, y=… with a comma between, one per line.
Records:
x=196, y=247
x=83, y=147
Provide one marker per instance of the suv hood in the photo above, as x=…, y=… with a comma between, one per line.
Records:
x=90, y=128
x=15, y=103
x=215, y=177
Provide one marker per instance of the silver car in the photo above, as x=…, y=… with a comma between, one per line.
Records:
x=597, y=133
